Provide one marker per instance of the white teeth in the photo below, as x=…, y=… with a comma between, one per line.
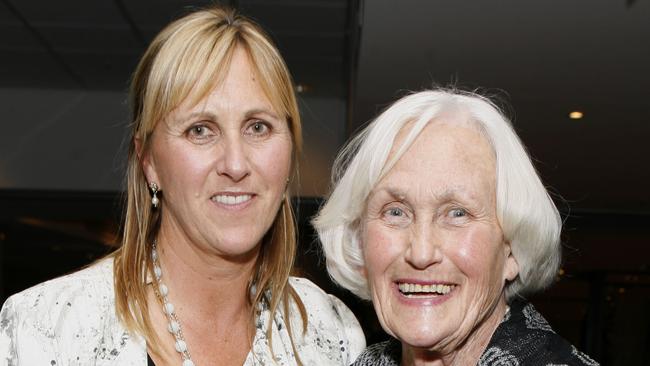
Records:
x=232, y=200
x=411, y=288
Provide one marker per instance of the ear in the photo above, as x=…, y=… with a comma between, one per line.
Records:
x=146, y=161
x=510, y=267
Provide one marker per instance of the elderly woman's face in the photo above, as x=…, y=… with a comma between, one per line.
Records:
x=222, y=164
x=436, y=261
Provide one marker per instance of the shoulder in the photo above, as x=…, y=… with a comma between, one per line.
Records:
x=331, y=325
x=525, y=336
x=94, y=283
x=557, y=348
x=66, y=316
x=315, y=298
x=323, y=307
x=387, y=353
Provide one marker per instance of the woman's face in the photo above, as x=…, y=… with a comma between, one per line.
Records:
x=222, y=165
x=435, y=257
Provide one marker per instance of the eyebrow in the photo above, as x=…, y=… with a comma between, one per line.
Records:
x=214, y=117
x=394, y=192
x=449, y=194
x=255, y=111
x=201, y=115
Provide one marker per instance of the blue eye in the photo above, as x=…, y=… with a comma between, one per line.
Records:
x=395, y=212
x=458, y=212
x=396, y=216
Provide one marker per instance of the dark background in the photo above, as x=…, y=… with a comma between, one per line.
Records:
x=65, y=65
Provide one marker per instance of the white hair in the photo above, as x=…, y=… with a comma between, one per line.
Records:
x=528, y=217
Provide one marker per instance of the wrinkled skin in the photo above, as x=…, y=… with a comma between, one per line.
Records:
x=431, y=220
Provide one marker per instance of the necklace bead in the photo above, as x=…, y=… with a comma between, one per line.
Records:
x=169, y=308
x=181, y=346
x=174, y=326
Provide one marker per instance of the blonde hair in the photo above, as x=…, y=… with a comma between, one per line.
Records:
x=186, y=60
x=527, y=215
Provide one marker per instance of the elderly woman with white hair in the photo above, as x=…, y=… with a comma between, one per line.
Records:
x=438, y=216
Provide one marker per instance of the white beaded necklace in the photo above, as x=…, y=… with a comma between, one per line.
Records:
x=174, y=325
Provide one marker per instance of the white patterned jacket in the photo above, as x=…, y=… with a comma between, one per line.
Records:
x=71, y=320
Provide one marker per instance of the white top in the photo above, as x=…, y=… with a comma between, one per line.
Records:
x=71, y=320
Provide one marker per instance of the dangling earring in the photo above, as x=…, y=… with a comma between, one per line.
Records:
x=154, y=190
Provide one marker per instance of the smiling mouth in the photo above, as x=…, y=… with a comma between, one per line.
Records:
x=232, y=199
x=420, y=290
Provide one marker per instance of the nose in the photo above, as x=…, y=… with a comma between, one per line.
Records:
x=424, y=247
x=233, y=162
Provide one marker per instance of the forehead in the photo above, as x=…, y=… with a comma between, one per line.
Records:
x=446, y=155
x=238, y=85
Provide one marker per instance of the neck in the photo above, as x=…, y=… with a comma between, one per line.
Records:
x=203, y=280
x=214, y=302
x=468, y=353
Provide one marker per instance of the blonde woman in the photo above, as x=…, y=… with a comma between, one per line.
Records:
x=203, y=273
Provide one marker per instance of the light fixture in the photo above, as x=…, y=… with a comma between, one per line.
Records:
x=302, y=88
x=576, y=115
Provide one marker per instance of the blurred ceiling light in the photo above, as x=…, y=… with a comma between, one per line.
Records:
x=302, y=88
x=576, y=115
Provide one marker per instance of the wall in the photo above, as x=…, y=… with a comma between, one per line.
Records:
x=60, y=139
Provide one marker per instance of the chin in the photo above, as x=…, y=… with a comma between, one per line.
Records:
x=239, y=254
x=236, y=248
x=421, y=343
x=426, y=339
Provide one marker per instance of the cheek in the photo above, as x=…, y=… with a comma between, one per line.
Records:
x=178, y=165
x=478, y=255
x=380, y=249
x=274, y=162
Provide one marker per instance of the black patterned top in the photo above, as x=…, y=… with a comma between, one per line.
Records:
x=524, y=338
